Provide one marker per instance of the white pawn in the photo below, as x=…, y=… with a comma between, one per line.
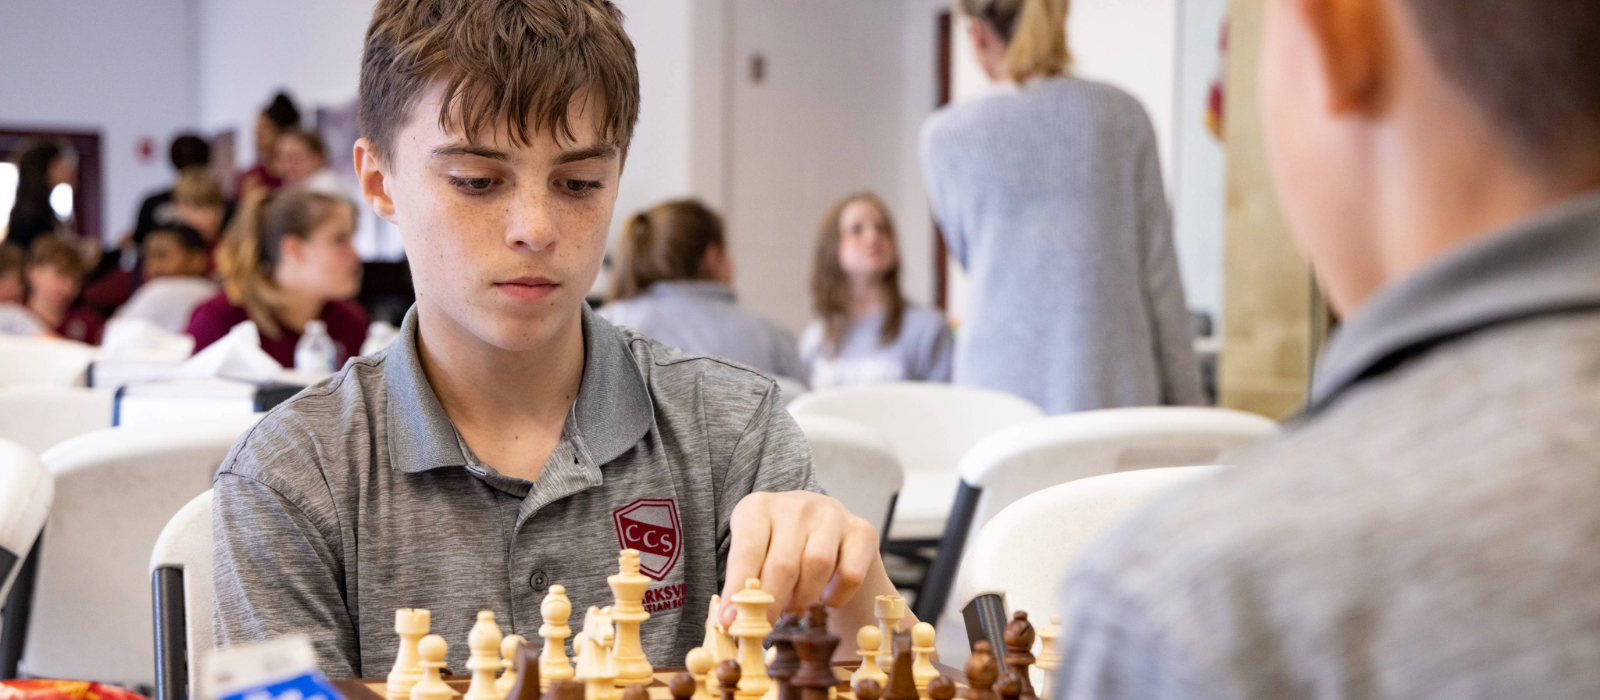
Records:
x=411, y=625
x=553, y=662
x=889, y=609
x=699, y=663
x=1049, y=659
x=508, y=661
x=922, y=670
x=868, y=641
x=432, y=649
x=484, y=643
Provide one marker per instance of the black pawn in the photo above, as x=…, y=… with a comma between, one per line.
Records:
x=1019, y=651
x=728, y=677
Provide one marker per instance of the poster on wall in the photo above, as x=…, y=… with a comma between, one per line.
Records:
x=339, y=126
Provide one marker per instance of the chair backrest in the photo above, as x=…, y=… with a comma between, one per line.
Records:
x=1018, y=461
x=180, y=569
x=929, y=424
x=1027, y=548
x=44, y=361
x=855, y=465
x=26, y=490
x=1033, y=456
x=115, y=491
x=38, y=416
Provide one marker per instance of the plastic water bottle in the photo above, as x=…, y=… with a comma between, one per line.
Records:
x=315, y=352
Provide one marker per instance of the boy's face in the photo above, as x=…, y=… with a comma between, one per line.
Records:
x=1319, y=139
x=164, y=256
x=51, y=286
x=503, y=240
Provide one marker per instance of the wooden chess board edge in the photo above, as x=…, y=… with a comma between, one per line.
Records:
x=373, y=688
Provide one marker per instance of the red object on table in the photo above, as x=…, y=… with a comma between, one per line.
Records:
x=45, y=689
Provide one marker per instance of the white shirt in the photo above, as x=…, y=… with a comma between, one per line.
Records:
x=168, y=302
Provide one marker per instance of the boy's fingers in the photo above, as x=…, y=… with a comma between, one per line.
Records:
x=751, y=529
x=817, y=563
x=781, y=571
x=857, y=553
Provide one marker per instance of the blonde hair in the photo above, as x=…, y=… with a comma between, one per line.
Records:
x=196, y=186
x=830, y=286
x=668, y=242
x=1035, y=32
x=253, y=246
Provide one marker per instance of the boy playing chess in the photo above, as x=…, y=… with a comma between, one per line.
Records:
x=510, y=439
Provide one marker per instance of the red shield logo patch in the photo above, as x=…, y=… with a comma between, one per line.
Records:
x=650, y=525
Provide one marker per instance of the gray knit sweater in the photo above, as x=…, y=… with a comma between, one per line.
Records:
x=1050, y=196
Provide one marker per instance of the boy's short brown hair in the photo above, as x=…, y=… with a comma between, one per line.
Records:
x=50, y=251
x=197, y=187
x=1531, y=66
x=513, y=62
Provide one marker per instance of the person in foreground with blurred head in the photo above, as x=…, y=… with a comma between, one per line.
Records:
x=41, y=166
x=866, y=331
x=671, y=283
x=288, y=260
x=197, y=203
x=55, y=277
x=176, y=260
x=280, y=115
x=303, y=161
x=1049, y=193
x=1428, y=529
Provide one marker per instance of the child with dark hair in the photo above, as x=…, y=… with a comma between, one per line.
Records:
x=55, y=275
x=510, y=437
x=175, y=261
x=1426, y=528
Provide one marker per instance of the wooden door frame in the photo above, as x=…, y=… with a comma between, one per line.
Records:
x=88, y=194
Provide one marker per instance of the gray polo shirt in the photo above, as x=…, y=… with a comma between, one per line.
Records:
x=358, y=497
x=1428, y=531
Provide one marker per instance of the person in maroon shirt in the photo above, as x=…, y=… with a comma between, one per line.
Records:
x=280, y=115
x=55, y=276
x=286, y=260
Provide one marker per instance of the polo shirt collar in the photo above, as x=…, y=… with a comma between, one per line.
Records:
x=612, y=413
x=1547, y=264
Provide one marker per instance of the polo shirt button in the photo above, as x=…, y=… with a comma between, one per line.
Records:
x=538, y=581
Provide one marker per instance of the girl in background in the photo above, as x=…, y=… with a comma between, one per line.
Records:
x=865, y=330
x=285, y=261
x=671, y=283
x=1049, y=193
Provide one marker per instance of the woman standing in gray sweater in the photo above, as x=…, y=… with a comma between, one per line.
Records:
x=1049, y=193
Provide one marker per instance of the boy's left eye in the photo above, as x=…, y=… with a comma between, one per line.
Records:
x=578, y=186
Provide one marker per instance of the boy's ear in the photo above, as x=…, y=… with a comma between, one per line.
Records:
x=370, y=172
x=1353, y=45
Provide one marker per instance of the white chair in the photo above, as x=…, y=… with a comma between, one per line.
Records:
x=1022, y=555
x=26, y=490
x=115, y=491
x=930, y=426
x=44, y=361
x=855, y=465
x=180, y=578
x=1028, y=458
x=38, y=416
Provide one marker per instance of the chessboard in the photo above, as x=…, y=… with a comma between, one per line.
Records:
x=373, y=688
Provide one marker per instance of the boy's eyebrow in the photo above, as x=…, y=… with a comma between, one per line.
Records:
x=467, y=149
x=603, y=150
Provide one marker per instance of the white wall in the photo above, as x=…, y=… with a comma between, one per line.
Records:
x=122, y=69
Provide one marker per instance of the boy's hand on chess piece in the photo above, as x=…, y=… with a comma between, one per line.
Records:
x=803, y=546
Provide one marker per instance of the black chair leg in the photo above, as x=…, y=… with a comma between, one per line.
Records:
x=19, y=606
x=942, y=574
x=172, y=641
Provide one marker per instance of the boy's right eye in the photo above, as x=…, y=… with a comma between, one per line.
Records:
x=472, y=185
